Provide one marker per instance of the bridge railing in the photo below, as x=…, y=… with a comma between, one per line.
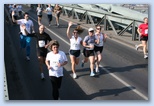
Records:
x=110, y=21
x=119, y=24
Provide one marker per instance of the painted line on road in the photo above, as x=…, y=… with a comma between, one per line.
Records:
x=113, y=75
x=125, y=83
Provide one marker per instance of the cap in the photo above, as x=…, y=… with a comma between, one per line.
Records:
x=90, y=29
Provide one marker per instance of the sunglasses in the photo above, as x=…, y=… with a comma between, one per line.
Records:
x=75, y=32
x=55, y=47
x=98, y=28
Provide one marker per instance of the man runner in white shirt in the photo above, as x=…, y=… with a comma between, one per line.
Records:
x=24, y=39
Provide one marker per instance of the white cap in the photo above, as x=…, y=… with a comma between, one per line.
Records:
x=90, y=29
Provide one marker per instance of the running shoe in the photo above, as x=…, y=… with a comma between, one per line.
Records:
x=145, y=56
x=92, y=74
x=97, y=69
x=27, y=58
x=42, y=76
x=136, y=47
x=74, y=75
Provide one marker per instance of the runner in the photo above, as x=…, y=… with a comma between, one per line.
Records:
x=143, y=32
x=19, y=7
x=39, y=13
x=41, y=45
x=15, y=11
x=24, y=39
x=55, y=61
x=88, y=50
x=75, y=42
x=57, y=11
x=101, y=38
x=49, y=13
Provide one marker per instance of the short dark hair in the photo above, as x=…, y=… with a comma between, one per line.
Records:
x=26, y=13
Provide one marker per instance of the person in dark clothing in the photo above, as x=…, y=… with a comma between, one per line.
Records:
x=42, y=44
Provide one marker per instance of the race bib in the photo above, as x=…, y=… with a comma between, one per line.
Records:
x=55, y=65
x=146, y=31
x=91, y=46
x=41, y=43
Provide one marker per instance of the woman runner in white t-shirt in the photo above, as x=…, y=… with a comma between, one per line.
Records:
x=75, y=43
x=55, y=60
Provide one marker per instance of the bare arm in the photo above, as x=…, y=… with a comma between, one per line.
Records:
x=68, y=30
x=15, y=21
x=24, y=28
x=139, y=31
x=105, y=37
x=85, y=45
x=98, y=39
x=33, y=31
x=47, y=64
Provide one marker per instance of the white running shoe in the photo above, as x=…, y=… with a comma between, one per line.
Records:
x=145, y=56
x=97, y=69
x=92, y=74
x=27, y=58
x=74, y=75
x=136, y=47
x=42, y=76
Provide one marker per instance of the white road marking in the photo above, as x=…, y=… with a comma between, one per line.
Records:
x=113, y=75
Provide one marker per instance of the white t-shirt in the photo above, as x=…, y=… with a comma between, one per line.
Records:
x=101, y=42
x=75, y=44
x=39, y=11
x=54, y=59
x=28, y=24
x=49, y=10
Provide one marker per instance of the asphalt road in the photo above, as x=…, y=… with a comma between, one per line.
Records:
x=123, y=75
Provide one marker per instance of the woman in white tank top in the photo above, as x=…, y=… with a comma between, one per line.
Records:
x=101, y=38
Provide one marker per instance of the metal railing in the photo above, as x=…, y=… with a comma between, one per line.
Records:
x=108, y=20
x=117, y=23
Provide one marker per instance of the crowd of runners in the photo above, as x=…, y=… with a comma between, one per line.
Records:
x=55, y=59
